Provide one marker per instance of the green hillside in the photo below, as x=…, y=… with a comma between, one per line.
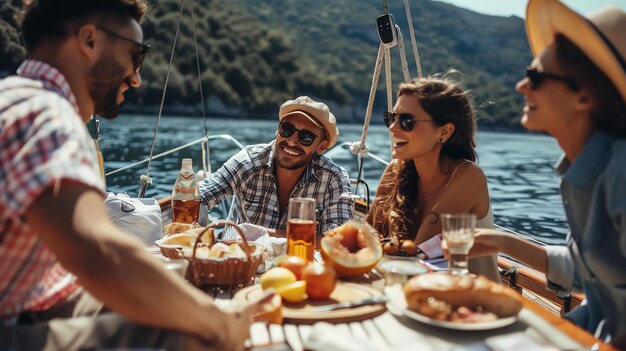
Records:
x=255, y=54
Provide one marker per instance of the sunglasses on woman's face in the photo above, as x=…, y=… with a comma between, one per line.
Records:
x=536, y=78
x=407, y=120
x=305, y=137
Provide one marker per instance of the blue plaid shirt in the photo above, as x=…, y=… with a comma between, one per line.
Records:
x=249, y=175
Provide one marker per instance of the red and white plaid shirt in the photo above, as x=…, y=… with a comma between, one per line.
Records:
x=42, y=141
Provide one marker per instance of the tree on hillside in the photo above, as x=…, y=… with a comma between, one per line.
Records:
x=12, y=51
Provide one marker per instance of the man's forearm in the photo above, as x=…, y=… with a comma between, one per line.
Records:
x=114, y=267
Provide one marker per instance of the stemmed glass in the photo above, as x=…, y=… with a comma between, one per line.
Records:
x=458, y=233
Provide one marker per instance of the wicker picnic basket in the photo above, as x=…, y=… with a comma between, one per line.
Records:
x=229, y=271
x=172, y=252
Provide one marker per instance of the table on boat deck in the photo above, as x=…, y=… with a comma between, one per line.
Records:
x=394, y=331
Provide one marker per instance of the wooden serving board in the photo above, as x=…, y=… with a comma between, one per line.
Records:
x=301, y=313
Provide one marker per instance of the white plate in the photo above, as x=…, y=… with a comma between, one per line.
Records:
x=402, y=267
x=397, y=303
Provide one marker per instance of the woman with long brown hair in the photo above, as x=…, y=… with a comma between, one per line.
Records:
x=433, y=170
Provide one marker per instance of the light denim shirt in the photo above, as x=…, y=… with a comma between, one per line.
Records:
x=594, y=261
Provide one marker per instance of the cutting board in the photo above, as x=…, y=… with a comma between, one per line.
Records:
x=301, y=313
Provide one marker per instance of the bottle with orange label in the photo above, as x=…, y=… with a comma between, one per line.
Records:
x=186, y=196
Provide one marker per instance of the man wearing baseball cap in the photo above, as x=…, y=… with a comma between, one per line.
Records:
x=264, y=177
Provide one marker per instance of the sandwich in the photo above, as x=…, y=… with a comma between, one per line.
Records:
x=460, y=298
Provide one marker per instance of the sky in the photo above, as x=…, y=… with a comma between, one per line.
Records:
x=518, y=7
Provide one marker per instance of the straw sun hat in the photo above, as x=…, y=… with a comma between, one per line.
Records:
x=601, y=36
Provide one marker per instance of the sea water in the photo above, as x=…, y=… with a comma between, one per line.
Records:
x=519, y=167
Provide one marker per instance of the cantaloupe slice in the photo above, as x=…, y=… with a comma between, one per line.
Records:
x=352, y=249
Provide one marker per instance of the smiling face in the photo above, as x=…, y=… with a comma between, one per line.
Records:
x=550, y=106
x=113, y=73
x=290, y=153
x=425, y=136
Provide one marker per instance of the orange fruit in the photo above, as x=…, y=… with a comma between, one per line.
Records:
x=360, y=256
x=272, y=311
x=295, y=264
x=320, y=281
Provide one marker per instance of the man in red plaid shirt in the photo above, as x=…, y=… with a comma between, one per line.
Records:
x=60, y=255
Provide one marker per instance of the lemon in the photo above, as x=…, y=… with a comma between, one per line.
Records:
x=277, y=277
x=294, y=292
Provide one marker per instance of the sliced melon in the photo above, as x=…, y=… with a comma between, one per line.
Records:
x=352, y=249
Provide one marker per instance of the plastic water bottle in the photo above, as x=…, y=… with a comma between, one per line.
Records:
x=185, y=196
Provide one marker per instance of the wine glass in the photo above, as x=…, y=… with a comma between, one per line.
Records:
x=458, y=233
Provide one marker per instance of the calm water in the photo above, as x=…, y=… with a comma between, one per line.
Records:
x=519, y=167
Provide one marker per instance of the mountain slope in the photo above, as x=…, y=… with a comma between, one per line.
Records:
x=256, y=54
x=340, y=37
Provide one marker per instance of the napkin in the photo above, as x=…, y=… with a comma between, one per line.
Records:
x=432, y=247
x=325, y=336
x=259, y=235
x=518, y=341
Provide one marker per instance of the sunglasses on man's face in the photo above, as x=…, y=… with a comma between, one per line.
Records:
x=407, y=120
x=305, y=137
x=137, y=57
x=536, y=78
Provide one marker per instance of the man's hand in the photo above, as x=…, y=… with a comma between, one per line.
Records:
x=256, y=306
x=237, y=321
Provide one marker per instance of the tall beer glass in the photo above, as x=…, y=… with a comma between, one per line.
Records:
x=301, y=228
x=458, y=232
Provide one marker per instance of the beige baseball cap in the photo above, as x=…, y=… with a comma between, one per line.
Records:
x=317, y=112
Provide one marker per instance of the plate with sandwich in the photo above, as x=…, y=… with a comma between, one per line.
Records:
x=460, y=302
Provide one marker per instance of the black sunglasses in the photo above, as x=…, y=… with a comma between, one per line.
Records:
x=138, y=57
x=407, y=120
x=305, y=137
x=537, y=78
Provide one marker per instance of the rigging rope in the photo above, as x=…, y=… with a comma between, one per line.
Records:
x=361, y=147
x=409, y=19
x=405, y=66
x=206, y=162
x=145, y=179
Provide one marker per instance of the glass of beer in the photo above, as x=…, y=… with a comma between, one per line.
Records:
x=301, y=228
x=458, y=233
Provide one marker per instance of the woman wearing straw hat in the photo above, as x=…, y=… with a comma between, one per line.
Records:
x=575, y=91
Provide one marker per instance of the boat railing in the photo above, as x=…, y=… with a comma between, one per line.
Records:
x=181, y=147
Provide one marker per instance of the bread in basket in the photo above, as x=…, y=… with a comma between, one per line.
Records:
x=232, y=263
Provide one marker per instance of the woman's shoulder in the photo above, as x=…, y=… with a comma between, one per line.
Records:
x=464, y=171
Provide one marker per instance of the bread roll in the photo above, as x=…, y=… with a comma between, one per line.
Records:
x=463, y=290
x=175, y=228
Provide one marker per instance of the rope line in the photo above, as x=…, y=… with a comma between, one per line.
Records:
x=409, y=19
x=206, y=161
x=145, y=179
